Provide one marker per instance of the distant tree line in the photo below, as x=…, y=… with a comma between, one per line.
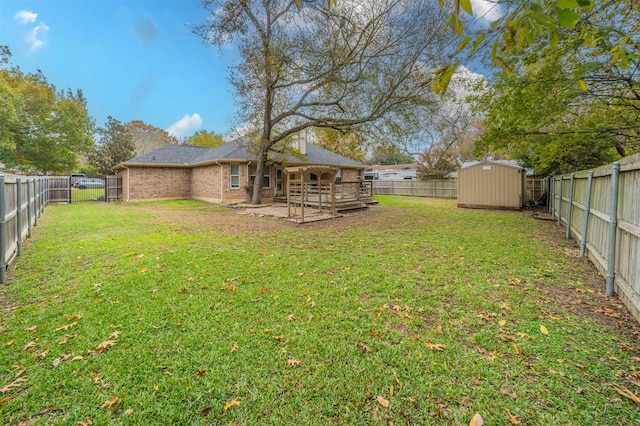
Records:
x=43, y=130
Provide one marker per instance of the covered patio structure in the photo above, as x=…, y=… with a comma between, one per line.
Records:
x=316, y=187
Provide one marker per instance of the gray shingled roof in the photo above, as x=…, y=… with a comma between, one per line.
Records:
x=234, y=150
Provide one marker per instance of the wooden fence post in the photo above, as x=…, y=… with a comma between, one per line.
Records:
x=19, y=215
x=587, y=212
x=570, y=207
x=613, y=225
x=3, y=234
x=29, y=207
x=559, y=207
x=35, y=204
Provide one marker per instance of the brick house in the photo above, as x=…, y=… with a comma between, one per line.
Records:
x=219, y=174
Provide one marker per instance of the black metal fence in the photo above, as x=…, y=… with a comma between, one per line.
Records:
x=66, y=189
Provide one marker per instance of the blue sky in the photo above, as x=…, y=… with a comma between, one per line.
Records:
x=134, y=60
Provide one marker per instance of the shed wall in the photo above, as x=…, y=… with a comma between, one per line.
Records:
x=490, y=185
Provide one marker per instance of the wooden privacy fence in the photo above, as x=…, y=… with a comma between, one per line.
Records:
x=21, y=202
x=601, y=210
x=417, y=188
x=446, y=188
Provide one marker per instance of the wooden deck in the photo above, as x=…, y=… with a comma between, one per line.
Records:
x=352, y=195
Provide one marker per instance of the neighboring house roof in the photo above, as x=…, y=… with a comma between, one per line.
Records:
x=410, y=166
x=189, y=156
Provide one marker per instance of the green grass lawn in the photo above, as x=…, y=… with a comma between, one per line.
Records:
x=412, y=312
x=89, y=194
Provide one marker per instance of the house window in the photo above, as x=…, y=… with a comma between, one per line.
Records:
x=339, y=175
x=234, y=175
x=266, y=178
x=359, y=174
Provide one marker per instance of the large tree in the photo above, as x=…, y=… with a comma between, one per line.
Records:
x=115, y=145
x=41, y=129
x=204, y=138
x=305, y=65
x=573, y=103
x=147, y=137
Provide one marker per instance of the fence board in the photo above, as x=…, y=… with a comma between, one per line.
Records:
x=624, y=270
x=21, y=202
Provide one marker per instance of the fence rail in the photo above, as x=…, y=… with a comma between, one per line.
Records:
x=600, y=210
x=22, y=200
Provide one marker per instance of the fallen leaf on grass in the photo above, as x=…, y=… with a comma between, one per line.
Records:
x=6, y=399
x=42, y=354
x=86, y=422
x=231, y=403
x=67, y=338
x=516, y=350
x=290, y=317
x=17, y=382
x=544, y=330
x=293, y=361
x=628, y=394
x=74, y=317
x=512, y=418
x=202, y=372
x=363, y=348
x=435, y=346
x=112, y=402
x=559, y=373
x=102, y=347
x=391, y=390
x=487, y=316
x=395, y=376
x=68, y=326
x=235, y=347
x=115, y=334
x=206, y=410
x=34, y=328
x=10, y=342
x=29, y=346
x=501, y=323
x=383, y=401
x=507, y=391
x=476, y=420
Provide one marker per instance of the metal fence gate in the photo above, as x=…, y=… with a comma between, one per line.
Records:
x=66, y=189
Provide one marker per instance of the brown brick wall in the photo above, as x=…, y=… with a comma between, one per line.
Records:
x=209, y=183
x=205, y=183
x=147, y=183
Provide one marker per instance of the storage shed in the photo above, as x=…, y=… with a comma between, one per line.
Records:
x=492, y=185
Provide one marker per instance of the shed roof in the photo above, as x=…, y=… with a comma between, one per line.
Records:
x=507, y=163
x=236, y=150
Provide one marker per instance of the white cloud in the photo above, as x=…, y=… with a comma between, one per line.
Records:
x=32, y=39
x=26, y=17
x=486, y=11
x=185, y=124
